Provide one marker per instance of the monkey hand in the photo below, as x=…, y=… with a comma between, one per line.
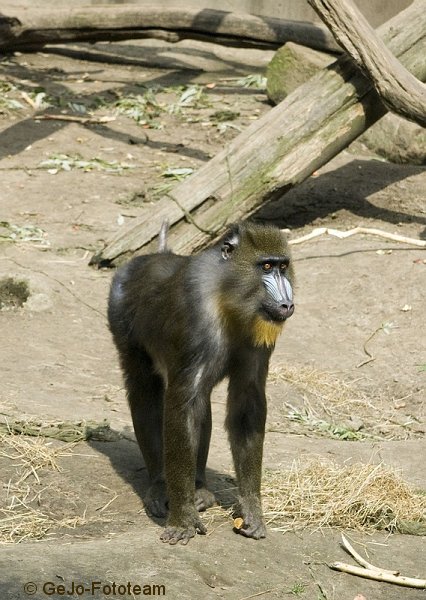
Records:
x=183, y=529
x=251, y=523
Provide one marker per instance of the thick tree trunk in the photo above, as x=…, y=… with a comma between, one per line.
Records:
x=313, y=124
x=36, y=26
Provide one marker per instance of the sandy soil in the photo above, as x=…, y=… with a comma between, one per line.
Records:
x=58, y=361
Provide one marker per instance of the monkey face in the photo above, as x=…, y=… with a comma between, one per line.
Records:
x=277, y=304
x=260, y=274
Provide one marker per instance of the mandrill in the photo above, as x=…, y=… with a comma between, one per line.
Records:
x=181, y=324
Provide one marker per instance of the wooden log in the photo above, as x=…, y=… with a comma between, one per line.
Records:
x=37, y=26
x=313, y=124
x=392, y=137
x=399, y=90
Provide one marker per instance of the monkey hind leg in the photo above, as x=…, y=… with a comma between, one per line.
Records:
x=145, y=394
x=204, y=498
x=155, y=500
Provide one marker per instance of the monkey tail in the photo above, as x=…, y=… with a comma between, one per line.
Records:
x=162, y=237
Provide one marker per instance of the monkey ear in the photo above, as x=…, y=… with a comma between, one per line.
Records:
x=230, y=241
x=227, y=250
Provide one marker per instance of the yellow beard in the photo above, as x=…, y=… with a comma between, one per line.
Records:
x=265, y=333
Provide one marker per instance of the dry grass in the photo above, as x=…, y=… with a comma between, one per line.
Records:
x=359, y=496
x=217, y=517
x=342, y=409
x=21, y=518
x=320, y=493
x=25, y=522
x=32, y=454
x=330, y=393
x=314, y=494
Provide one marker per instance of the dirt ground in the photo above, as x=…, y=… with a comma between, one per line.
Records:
x=358, y=298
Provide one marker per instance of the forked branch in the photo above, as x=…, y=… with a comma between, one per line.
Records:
x=400, y=91
x=369, y=571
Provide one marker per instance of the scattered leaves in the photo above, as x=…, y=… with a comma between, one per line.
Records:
x=65, y=162
x=144, y=109
x=192, y=96
x=253, y=81
x=22, y=233
x=177, y=173
x=333, y=430
x=6, y=103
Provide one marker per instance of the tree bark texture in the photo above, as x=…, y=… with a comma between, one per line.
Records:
x=36, y=26
x=302, y=133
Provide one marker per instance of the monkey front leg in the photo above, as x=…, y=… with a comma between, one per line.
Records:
x=180, y=443
x=246, y=426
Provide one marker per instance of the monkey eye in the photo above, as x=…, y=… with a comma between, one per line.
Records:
x=283, y=266
x=267, y=267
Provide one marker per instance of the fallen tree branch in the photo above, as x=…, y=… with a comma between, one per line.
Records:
x=378, y=575
x=360, y=560
x=31, y=27
x=398, y=88
x=318, y=231
x=369, y=571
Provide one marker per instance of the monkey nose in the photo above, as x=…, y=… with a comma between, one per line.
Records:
x=287, y=310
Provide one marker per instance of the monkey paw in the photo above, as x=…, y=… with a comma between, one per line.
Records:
x=203, y=499
x=184, y=532
x=256, y=529
x=253, y=525
x=156, y=500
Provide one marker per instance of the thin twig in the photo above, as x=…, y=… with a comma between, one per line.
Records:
x=364, y=346
x=29, y=100
x=191, y=219
x=366, y=230
x=102, y=508
x=59, y=282
x=317, y=583
x=76, y=119
x=259, y=594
